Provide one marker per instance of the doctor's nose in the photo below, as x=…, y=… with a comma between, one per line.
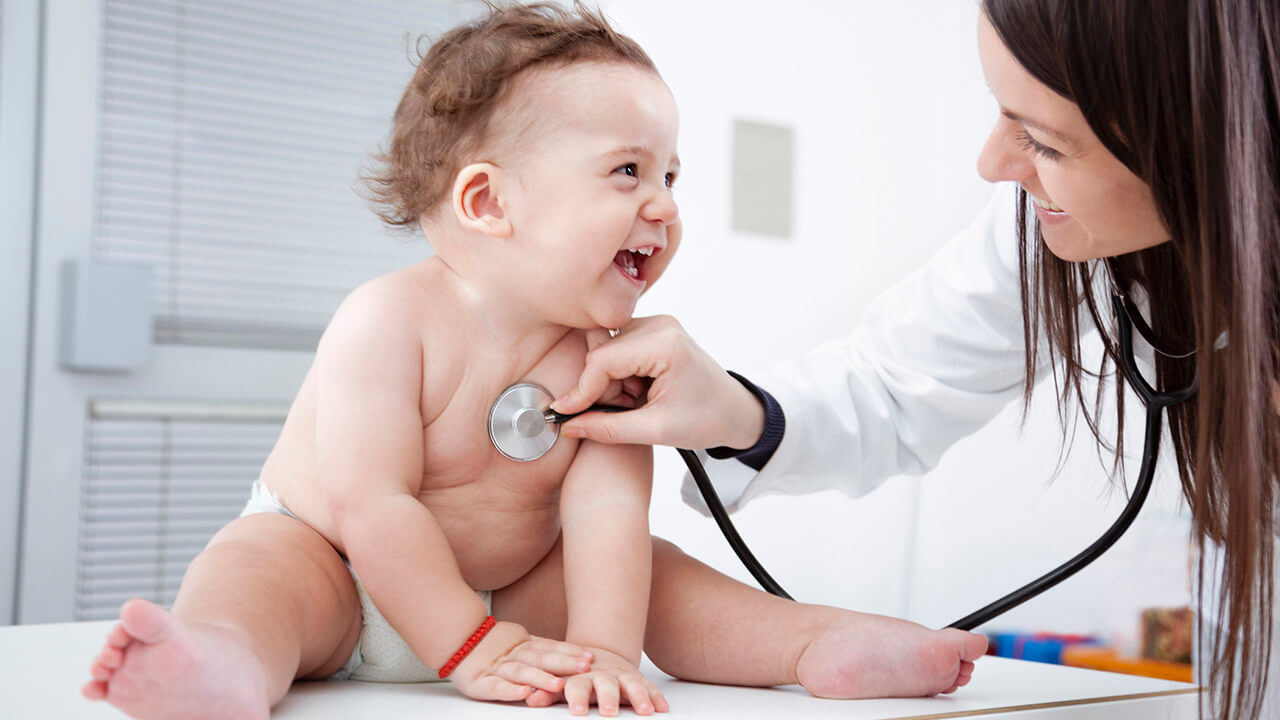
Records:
x=1003, y=158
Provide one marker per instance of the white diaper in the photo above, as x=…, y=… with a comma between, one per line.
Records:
x=380, y=655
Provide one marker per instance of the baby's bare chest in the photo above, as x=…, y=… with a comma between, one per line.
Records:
x=459, y=435
x=501, y=515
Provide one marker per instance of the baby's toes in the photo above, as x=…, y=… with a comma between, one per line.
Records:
x=94, y=690
x=111, y=657
x=100, y=673
x=119, y=637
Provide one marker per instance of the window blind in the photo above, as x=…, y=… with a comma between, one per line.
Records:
x=232, y=137
x=159, y=481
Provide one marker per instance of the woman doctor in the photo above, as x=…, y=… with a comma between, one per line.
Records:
x=1139, y=144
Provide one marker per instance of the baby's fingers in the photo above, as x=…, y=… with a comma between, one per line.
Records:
x=645, y=697
x=492, y=687
x=542, y=644
x=577, y=693
x=556, y=663
x=606, y=693
x=542, y=698
x=522, y=674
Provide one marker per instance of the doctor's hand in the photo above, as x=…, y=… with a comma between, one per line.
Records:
x=685, y=398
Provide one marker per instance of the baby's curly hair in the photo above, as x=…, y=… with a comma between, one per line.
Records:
x=447, y=110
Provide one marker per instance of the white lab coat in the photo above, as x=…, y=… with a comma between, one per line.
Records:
x=933, y=360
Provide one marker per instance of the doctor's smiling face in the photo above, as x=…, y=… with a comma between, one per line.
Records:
x=1089, y=204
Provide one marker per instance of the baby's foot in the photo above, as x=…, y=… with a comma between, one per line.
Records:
x=157, y=666
x=875, y=656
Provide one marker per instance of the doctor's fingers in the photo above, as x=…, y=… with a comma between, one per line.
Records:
x=644, y=426
x=598, y=336
x=646, y=348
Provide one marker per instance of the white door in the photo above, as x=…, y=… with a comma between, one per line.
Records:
x=217, y=145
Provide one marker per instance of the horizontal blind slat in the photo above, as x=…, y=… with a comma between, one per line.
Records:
x=233, y=136
x=156, y=488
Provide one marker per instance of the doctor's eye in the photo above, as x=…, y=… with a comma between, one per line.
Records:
x=629, y=170
x=1034, y=146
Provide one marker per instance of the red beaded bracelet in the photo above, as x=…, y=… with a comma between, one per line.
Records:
x=468, y=646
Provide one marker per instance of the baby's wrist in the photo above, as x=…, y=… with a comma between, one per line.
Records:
x=603, y=650
x=491, y=643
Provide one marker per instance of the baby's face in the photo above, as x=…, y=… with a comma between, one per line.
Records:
x=592, y=211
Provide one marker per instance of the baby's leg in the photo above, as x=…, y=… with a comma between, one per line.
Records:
x=268, y=600
x=707, y=627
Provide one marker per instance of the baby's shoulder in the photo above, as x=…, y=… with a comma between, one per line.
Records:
x=381, y=314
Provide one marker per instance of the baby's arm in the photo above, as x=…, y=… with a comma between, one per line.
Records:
x=369, y=445
x=604, y=511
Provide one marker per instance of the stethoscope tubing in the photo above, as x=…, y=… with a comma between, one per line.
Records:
x=1146, y=472
x=1156, y=402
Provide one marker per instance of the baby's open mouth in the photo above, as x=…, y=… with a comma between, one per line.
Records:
x=631, y=262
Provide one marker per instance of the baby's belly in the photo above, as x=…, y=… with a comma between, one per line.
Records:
x=497, y=544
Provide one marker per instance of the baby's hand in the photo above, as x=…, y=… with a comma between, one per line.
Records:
x=612, y=678
x=511, y=664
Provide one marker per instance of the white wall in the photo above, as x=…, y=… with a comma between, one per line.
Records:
x=890, y=110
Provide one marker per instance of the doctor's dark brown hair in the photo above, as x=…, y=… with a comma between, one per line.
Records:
x=1186, y=94
x=447, y=112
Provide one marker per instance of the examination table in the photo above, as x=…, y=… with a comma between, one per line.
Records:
x=43, y=666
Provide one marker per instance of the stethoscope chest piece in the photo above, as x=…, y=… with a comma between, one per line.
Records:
x=517, y=422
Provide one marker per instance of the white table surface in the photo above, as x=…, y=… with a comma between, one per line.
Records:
x=43, y=666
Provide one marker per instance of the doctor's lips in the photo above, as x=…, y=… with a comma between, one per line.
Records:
x=1048, y=210
x=631, y=261
x=1046, y=205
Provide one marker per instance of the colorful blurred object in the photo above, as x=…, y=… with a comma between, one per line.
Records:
x=1101, y=658
x=1167, y=630
x=1037, y=647
x=1166, y=634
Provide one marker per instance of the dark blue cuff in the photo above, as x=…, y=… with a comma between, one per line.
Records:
x=775, y=425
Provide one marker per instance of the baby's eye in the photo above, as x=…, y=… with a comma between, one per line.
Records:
x=629, y=170
x=670, y=179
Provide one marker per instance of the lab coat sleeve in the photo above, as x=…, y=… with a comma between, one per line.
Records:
x=933, y=359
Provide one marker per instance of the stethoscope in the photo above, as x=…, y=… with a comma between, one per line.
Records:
x=523, y=428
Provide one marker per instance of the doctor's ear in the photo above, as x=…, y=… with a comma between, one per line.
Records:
x=477, y=201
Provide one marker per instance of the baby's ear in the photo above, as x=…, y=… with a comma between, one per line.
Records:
x=477, y=200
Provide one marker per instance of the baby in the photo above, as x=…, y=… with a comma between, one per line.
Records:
x=536, y=149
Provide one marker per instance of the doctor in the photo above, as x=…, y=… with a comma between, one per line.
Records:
x=1138, y=143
